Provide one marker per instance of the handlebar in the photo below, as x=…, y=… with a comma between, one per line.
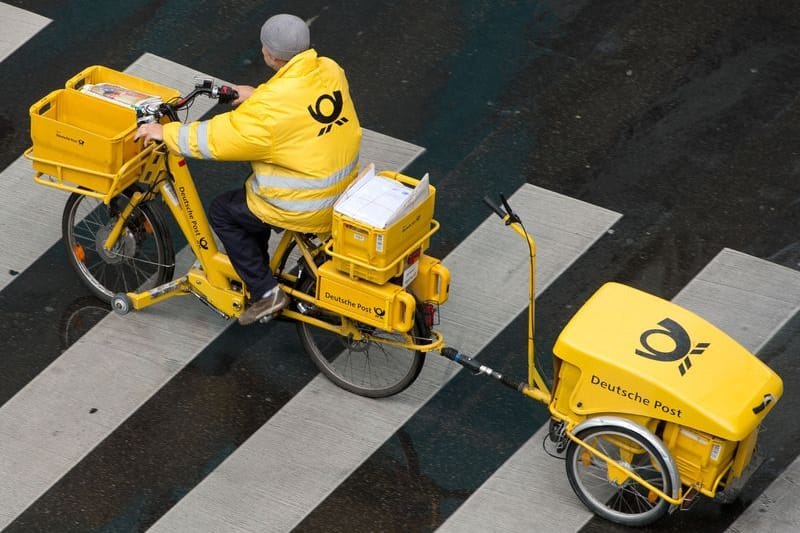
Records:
x=509, y=216
x=153, y=112
x=496, y=208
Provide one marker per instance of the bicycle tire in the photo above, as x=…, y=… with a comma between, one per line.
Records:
x=366, y=368
x=143, y=258
x=628, y=503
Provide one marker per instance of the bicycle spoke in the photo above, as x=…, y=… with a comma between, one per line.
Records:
x=612, y=494
x=136, y=271
x=91, y=223
x=99, y=262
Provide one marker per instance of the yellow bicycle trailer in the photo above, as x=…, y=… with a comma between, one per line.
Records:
x=651, y=404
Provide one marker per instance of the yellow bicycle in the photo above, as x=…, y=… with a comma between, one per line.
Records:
x=364, y=315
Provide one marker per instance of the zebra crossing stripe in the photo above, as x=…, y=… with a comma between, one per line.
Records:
x=323, y=434
x=17, y=26
x=62, y=414
x=777, y=509
x=748, y=298
x=30, y=219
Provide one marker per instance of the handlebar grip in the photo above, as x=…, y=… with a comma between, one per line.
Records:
x=505, y=204
x=496, y=208
x=226, y=94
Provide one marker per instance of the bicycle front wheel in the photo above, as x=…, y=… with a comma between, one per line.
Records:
x=368, y=367
x=142, y=258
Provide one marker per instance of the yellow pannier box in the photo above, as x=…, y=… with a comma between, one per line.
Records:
x=379, y=254
x=387, y=306
x=84, y=143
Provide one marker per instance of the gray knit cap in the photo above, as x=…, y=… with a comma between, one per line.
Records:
x=284, y=36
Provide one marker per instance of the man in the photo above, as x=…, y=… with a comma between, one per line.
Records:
x=301, y=134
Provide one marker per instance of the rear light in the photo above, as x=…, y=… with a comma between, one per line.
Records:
x=414, y=256
x=430, y=313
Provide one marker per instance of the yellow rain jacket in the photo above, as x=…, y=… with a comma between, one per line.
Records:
x=301, y=134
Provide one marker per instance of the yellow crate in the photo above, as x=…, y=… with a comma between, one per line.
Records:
x=82, y=143
x=376, y=254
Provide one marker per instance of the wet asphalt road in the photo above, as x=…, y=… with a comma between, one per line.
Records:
x=680, y=115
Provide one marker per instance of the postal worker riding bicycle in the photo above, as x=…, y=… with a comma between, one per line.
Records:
x=301, y=134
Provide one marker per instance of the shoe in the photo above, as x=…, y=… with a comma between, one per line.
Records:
x=263, y=307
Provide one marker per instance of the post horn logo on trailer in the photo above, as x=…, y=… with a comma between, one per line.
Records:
x=681, y=350
x=331, y=118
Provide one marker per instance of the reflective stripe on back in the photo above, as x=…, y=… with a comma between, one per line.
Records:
x=298, y=182
x=297, y=206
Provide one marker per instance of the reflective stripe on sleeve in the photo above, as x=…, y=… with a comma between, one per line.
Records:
x=183, y=141
x=202, y=140
x=298, y=182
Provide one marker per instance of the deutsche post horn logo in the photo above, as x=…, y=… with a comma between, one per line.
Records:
x=327, y=110
x=681, y=345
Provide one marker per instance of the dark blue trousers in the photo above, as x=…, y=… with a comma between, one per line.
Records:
x=246, y=240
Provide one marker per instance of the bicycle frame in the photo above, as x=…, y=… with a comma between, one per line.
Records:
x=213, y=279
x=216, y=282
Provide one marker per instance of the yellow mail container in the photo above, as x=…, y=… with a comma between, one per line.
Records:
x=378, y=254
x=700, y=457
x=432, y=283
x=82, y=143
x=386, y=306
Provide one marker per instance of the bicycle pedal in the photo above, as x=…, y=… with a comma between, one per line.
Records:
x=268, y=318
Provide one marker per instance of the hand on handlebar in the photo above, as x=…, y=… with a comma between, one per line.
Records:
x=153, y=131
x=244, y=93
x=150, y=132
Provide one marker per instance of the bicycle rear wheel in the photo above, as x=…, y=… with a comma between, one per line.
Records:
x=368, y=368
x=142, y=258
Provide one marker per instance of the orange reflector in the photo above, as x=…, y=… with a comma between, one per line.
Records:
x=80, y=254
x=652, y=497
x=148, y=228
x=586, y=458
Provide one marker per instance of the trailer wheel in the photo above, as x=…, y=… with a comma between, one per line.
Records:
x=605, y=489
